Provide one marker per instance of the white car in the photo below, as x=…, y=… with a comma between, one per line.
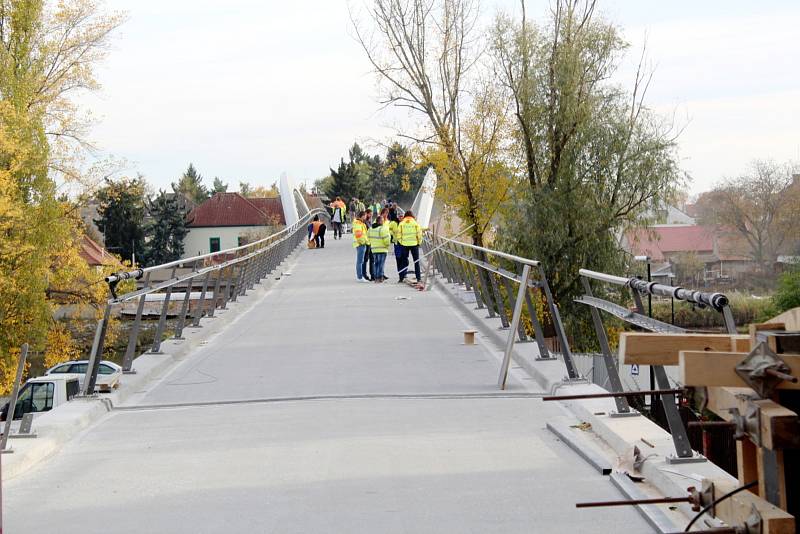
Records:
x=108, y=375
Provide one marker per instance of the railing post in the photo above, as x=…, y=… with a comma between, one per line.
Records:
x=96, y=355
x=200, y=308
x=185, y=305
x=572, y=373
x=498, y=298
x=611, y=368
x=485, y=292
x=244, y=276
x=228, y=286
x=509, y=292
x=217, y=284
x=475, y=289
x=12, y=400
x=133, y=336
x=162, y=320
x=515, y=320
x=538, y=332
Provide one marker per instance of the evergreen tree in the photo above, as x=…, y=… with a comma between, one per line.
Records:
x=191, y=185
x=401, y=177
x=166, y=230
x=121, y=210
x=219, y=186
x=245, y=188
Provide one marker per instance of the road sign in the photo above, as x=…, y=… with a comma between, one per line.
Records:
x=635, y=369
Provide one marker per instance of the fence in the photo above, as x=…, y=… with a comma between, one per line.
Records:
x=225, y=275
x=472, y=267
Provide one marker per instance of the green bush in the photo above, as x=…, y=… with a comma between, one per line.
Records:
x=787, y=294
x=746, y=309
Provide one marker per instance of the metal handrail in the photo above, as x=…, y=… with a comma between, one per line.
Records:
x=137, y=273
x=248, y=265
x=718, y=301
x=511, y=257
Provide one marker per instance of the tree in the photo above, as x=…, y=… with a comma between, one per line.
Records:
x=47, y=51
x=261, y=191
x=219, y=186
x=166, y=230
x=787, y=294
x=245, y=189
x=352, y=179
x=191, y=185
x=594, y=158
x=424, y=53
x=762, y=206
x=121, y=209
x=403, y=177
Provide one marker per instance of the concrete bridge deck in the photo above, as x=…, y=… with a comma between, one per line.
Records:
x=331, y=406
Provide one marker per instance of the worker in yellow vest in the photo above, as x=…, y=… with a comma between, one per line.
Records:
x=360, y=241
x=379, y=241
x=409, y=234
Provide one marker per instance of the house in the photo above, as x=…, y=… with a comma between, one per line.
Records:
x=229, y=220
x=95, y=255
x=690, y=253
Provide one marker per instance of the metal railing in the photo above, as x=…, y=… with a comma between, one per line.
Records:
x=482, y=271
x=224, y=275
x=715, y=301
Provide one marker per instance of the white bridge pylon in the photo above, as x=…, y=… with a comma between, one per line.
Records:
x=291, y=200
x=423, y=203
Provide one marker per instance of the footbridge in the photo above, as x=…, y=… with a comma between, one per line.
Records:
x=289, y=398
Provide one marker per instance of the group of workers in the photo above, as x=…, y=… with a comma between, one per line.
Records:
x=373, y=236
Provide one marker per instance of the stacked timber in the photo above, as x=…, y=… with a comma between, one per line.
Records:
x=750, y=381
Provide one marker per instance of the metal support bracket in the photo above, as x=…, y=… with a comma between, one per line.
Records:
x=754, y=523
x=748, y=425
x=696, y=458
x=763, y=370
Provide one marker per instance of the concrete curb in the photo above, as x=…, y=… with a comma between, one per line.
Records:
x=57, y=427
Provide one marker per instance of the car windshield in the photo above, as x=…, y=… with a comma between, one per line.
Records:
x=106, y=369
x=61, y=369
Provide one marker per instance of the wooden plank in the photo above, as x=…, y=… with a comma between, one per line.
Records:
x=791, y=318
x=718, y=369
x=780, y=428
x=663, y=349
x=736, y=509
x=747, y=462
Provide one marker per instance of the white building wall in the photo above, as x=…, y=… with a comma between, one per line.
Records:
x=197, y=241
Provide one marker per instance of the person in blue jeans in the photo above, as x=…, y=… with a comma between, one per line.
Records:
x=379, y=241
x=360, y=242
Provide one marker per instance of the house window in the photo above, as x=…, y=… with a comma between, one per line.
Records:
x=213, y=244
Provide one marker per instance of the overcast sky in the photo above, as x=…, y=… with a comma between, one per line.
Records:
x=247, y=89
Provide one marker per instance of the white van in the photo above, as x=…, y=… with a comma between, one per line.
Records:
x=42, y=394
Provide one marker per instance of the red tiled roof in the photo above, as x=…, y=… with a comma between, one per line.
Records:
x=659, y=241
x=232, y=209
x=273, y=207
x=94, y=254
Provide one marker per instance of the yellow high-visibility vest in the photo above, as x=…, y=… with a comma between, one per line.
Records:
x=379, y=239
x=410, y=232
x=393, y=227
x=359, y=233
